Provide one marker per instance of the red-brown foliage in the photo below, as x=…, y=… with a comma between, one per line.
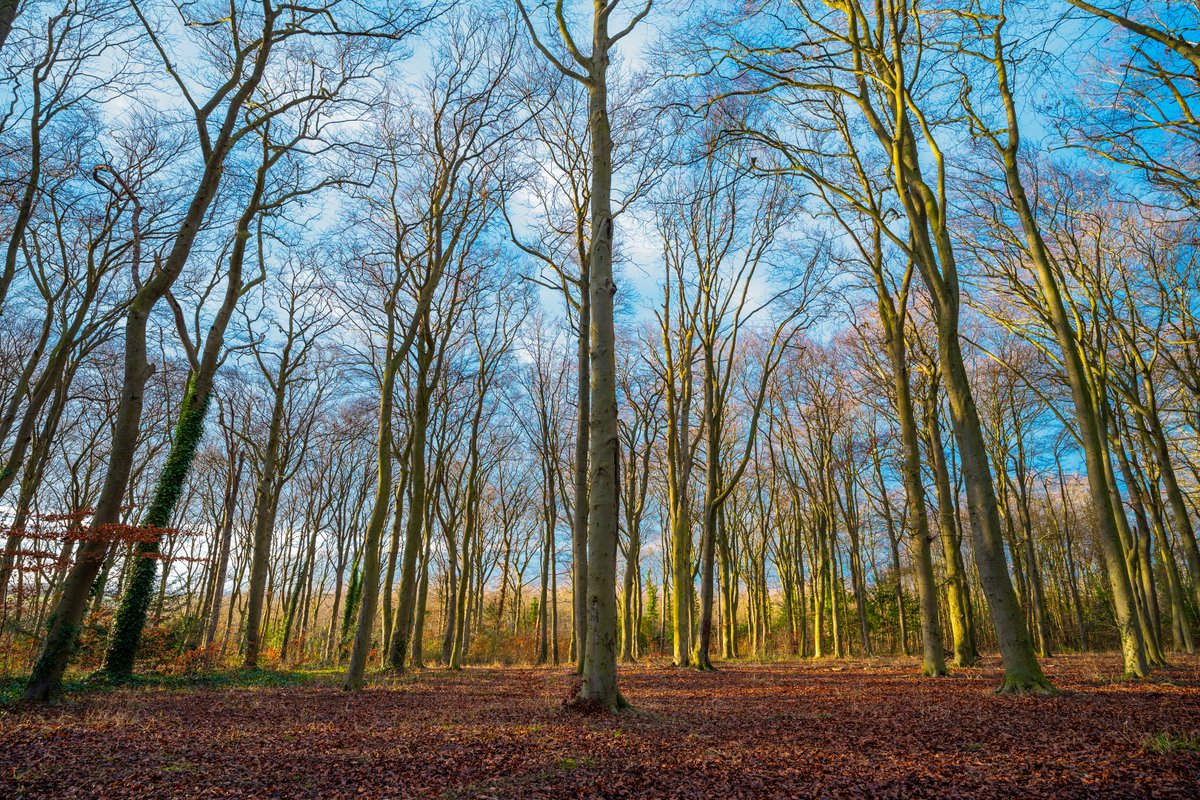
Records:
x=780, y=730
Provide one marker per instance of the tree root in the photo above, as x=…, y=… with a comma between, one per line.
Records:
x=591, y=706
x=1016, y=684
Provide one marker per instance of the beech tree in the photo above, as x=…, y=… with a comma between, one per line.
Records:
x=599, y=645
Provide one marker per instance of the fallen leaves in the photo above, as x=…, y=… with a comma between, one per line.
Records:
x=871, y=729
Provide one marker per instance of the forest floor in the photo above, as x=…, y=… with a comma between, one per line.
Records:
x=787, y=729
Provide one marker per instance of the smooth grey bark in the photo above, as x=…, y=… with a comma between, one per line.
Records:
x=579, y=517
x=599, y=685
x=599, y=645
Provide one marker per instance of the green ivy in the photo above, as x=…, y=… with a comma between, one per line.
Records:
x=135, y=603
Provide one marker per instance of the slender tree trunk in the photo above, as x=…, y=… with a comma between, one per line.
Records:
x=458, y=650
x=547, y=557
x=1089, y=424
x=406, y=602
x=599, y=646
x=373, y=541
x=554, y=640
x=965, y=652
x=331, y=640
x=264, y=526
x=1022, y=671
x=62, y=637
x=708, y=532
x=60, y=641
x=933, y=253
x=418, y=631
x=932, y=652
x=1037, y=599
x=292, y=604
x=130, y=619
x=579, y=531
x=728, y=596
x=389, y=578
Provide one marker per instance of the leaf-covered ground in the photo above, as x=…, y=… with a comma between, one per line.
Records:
x=855, y=729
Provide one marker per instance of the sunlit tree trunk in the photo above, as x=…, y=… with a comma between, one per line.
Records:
x=932, y=656
x=1083, y=386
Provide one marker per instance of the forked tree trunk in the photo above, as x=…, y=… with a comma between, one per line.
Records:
x=62, y=637
x=130, y=619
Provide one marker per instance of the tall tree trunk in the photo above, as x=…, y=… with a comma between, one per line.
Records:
x=580, y=517
x=965, y=652
x=1021, y=669
x=1037, y=599
x=629, y=616
x=265, y=508
x=1083, y=386
x=130, y=619
x=681, y=580
x=389, y=577
x=406, y=601
x=708, y=529
x=61, y=639
x=458, y=651
x=894, y=551
x=418, y=632
x=62, y=636
x=599, y=646
x=933, y=660
x=932, y=250
x=549, y=519
x=373, y=541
